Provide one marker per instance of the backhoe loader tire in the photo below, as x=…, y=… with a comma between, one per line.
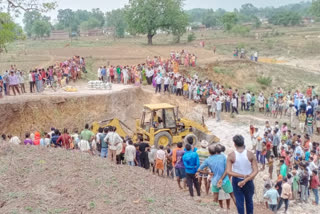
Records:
x=162, y=138
x=195, y=139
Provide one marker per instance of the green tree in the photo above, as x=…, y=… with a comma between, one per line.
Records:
x=42, y=24
x=68, y=20
x=9, y=31
x=285, y=18
x=176, y=19
x=315, y=8
x=248, y=9
x=41, y=28
x=229, y=20
x=117, y=20
x=209, y=19
x=90, y=24
x=98, y=15
x=28, y=19
x=149, y=16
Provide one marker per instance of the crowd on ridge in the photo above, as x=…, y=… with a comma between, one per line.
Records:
x=13, y=81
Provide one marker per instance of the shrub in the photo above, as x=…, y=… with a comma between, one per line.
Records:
x=191, y=37
x=240, y=30
x=264, y=80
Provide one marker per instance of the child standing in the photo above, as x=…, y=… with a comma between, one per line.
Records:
x=295, y=184
x=270, y=165
x=310, y=125
x=272, y=195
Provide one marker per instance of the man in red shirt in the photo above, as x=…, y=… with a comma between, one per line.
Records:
x=314, y=186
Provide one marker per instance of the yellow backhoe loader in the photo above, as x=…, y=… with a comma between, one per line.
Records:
x=161, y=125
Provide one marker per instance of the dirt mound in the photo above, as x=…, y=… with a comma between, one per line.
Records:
x=41, y=180
x=40, y=113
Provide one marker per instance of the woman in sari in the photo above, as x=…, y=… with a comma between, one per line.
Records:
x=193, y=60
x=137, y=76
x=186, y=61
x=175, y=67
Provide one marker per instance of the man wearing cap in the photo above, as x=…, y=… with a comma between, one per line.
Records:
x=203, y=153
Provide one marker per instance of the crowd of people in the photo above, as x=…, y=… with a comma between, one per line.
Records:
x=13, y=81
x=294, y=159
x=199, y=167
x=164, y=76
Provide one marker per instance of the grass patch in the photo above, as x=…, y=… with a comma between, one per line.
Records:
x=220, y=70
x=252, y=87
x=266, y=81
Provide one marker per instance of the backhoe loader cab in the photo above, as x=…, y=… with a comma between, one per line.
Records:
x=160, y=125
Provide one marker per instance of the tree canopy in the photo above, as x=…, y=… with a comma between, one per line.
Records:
x=150, y=16
x=117, y=20
x=315, y=8
x=36, y=25
x=73, y=21
x=9, y=30
x=285, y=18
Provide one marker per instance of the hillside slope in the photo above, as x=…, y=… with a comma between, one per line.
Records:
x=40, y=180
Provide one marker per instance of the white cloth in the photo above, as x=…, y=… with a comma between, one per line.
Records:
x=130, y=153
x=113, y=139
x=15, y=140
x=161, y=154
x=158, y=80
x=166, y=80
x=242, y=164
x=84, y=145
x=30, y=77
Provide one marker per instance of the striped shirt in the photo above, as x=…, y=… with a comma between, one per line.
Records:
x=203, y=154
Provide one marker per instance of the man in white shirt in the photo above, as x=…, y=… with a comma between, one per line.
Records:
x=31, y=83
x=219, y=107
x=149, y=74
x=14, y=140
x=166, y=84
x=234, y=105
x=158, y=82
x=99, y=73
x=248, y=99
x=113, y=140
x=159, y=159
x=125, y=76
x=130, y=153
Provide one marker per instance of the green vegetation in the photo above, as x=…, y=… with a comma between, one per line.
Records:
x=285, y=18
x=150, y=16
x=191, y=37
x=240, y=30
x=73, y=21
x=36, y=25
x=9, y=31
x=116, y=19
x=315, y=8
x=266, y=81
x=229, y=20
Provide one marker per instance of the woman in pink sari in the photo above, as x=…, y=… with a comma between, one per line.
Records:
x=186, y=61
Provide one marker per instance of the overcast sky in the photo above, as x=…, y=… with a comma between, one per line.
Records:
x=108, y=5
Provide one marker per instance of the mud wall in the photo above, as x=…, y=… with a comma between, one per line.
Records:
x=42, y=113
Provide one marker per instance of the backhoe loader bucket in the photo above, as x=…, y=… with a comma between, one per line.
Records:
x=122, y=129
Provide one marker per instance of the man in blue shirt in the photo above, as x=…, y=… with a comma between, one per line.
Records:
x=191, y=163
x=217, y=163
